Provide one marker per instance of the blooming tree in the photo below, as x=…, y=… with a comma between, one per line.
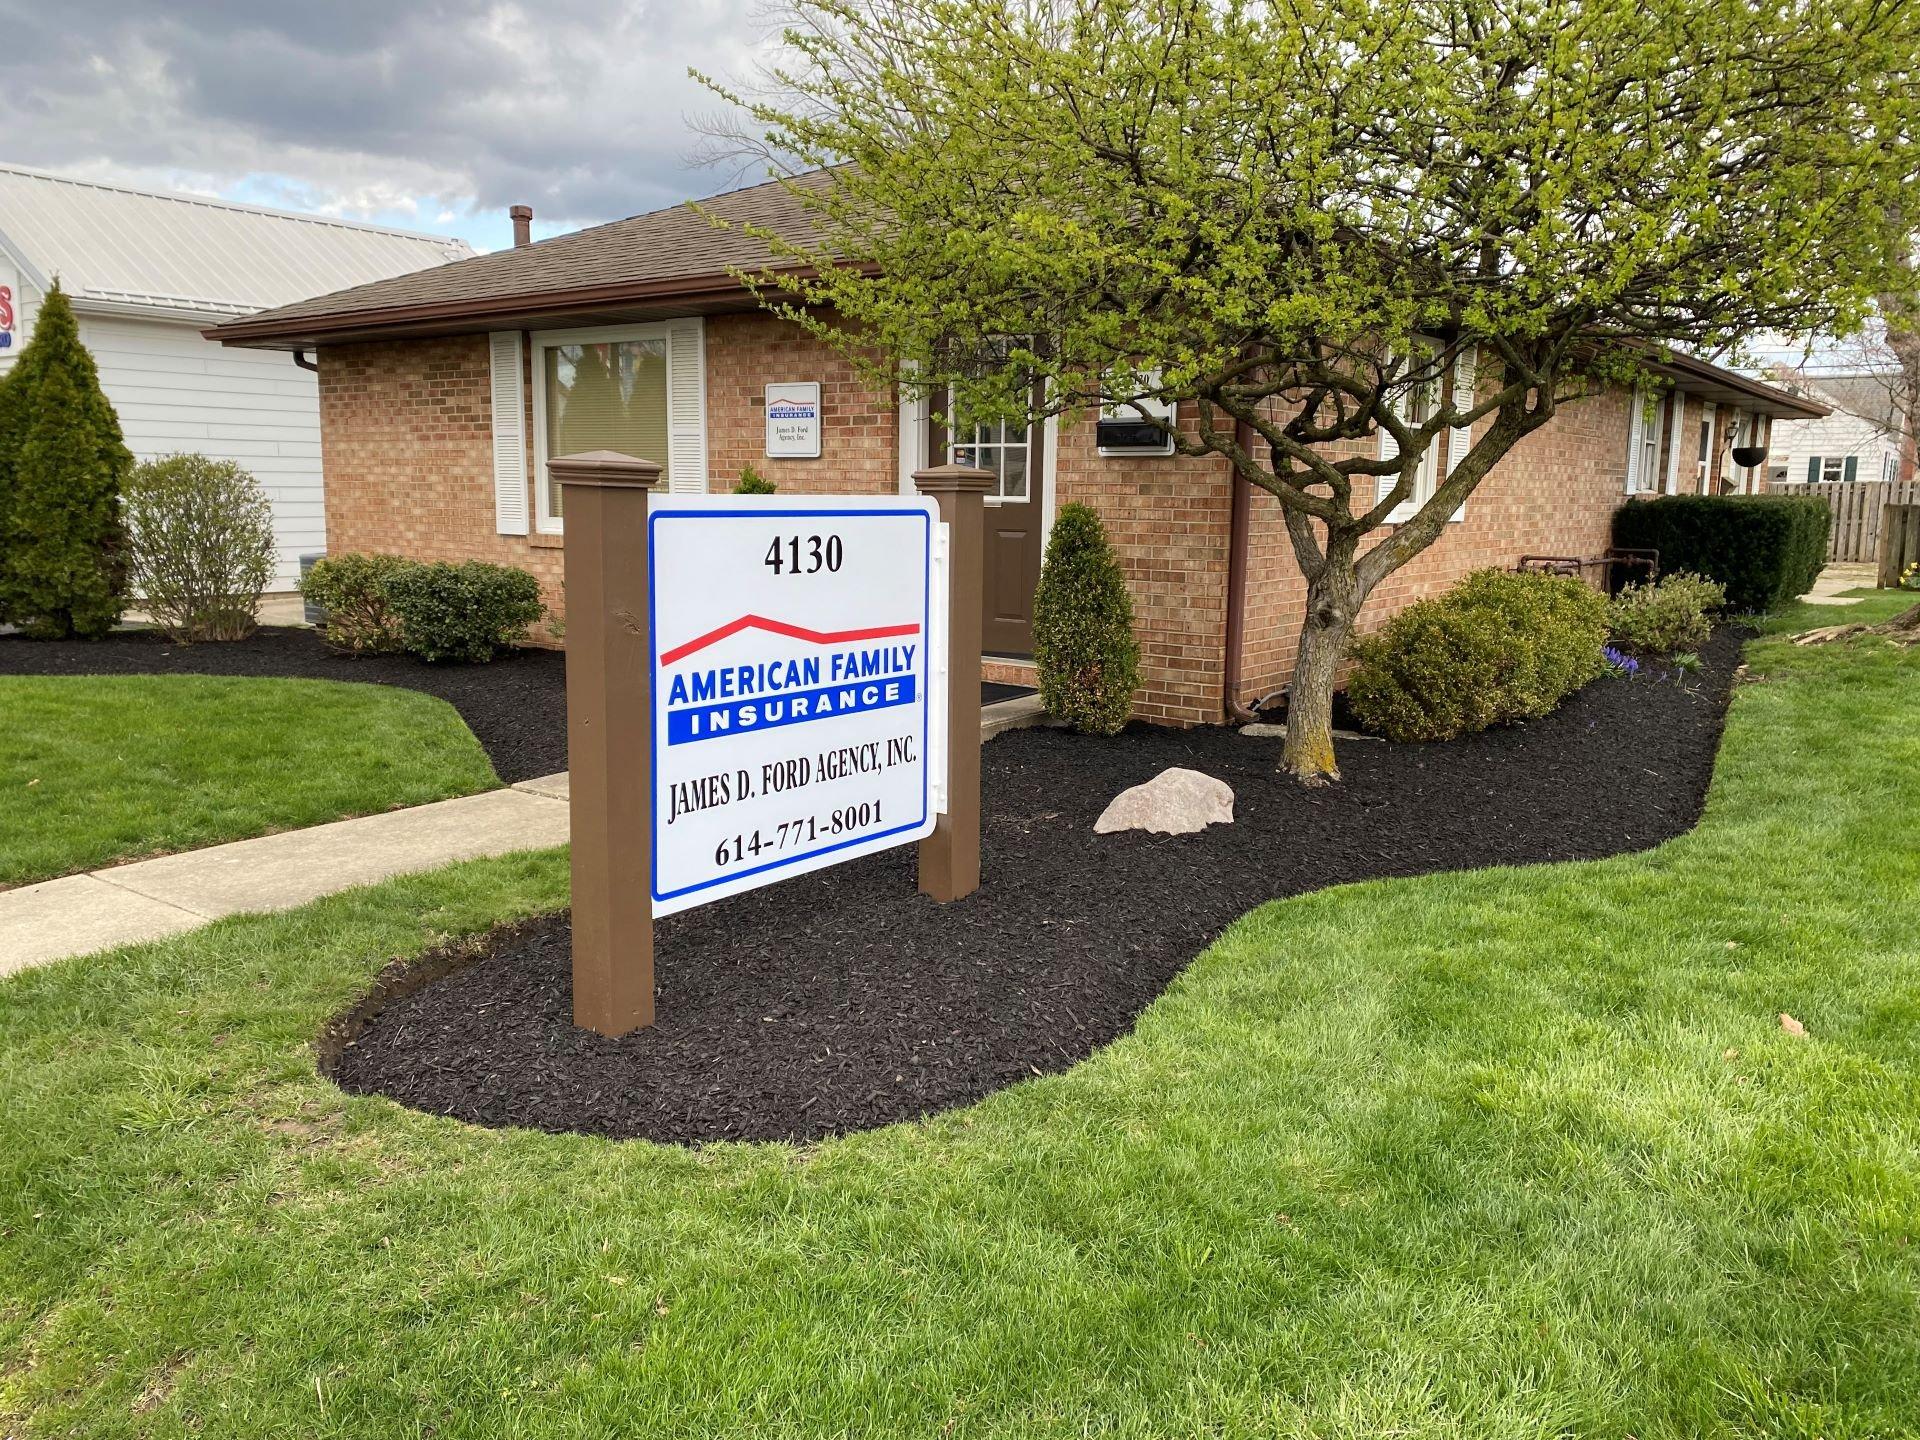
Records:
x=1367, y=246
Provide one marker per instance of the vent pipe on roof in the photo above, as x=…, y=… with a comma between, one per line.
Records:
x=522, y=225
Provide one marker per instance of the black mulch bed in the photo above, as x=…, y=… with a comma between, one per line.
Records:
x=843, y=1000
x=516, y=706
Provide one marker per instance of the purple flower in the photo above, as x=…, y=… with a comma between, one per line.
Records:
x=1620, y=662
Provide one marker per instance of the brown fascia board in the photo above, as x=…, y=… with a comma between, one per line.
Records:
x=1699, y=377
x=690, y=293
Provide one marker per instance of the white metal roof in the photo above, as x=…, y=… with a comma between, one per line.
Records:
x=112, y=246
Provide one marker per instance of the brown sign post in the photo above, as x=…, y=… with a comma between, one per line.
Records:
x=950, y=856
x=610, y=720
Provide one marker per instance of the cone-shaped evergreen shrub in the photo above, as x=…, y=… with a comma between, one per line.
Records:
x=1083, y=642
x=62, y=463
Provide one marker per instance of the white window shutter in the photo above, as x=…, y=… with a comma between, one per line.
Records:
x=1460, y=438
x=1389, y=450
x=509, y=434
x=1636, y=432
x=687, y=407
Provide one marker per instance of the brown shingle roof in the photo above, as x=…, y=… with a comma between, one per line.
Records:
x=677, y=252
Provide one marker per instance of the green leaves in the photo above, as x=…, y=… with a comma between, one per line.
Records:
x=1200, y=184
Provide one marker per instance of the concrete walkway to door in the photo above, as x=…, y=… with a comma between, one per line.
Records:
x=1837, y=579
x=152, y=899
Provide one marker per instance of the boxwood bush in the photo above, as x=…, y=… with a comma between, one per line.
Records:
x=1084, y=650
x=464, y=612
x=199, y=545
x=352, y=590
x=1766, y=549
x=1495, y=648
x=1675, y=613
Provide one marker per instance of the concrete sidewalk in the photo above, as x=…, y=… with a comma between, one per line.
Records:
x=1838, y=577
x=150, y=899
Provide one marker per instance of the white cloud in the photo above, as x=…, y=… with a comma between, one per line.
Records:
x=446, y=111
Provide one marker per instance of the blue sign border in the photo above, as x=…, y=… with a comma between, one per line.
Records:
x=671, y=512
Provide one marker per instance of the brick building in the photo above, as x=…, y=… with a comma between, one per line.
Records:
x=443, y=395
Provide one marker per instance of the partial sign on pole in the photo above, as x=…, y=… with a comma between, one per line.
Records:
x=793, y=420
x=794, y=724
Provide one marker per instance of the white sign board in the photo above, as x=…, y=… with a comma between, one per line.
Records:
x=793, y=644
x=793, y=421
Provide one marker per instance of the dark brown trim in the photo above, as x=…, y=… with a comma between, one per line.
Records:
x=1239, y=522
x=493, y=312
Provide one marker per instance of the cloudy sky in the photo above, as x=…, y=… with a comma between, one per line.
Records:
x=430, y=114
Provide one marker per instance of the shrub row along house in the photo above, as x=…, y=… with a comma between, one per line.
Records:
x=444, y=394
x=146, y=271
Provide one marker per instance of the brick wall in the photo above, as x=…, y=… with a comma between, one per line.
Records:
x=1168, y=521
x=859, y=427
x=1554, y=494
x=407, y=447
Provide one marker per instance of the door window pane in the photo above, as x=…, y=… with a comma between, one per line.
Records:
x=608, y=395
x=998, y=447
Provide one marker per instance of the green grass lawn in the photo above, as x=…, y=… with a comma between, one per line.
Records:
x=98, y=769
x=1511, y=1153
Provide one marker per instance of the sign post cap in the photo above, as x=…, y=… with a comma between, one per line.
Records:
x=953, y=480
x=604, y=467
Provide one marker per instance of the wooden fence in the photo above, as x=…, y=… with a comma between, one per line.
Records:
x=1857, y=508
x=1900, y=541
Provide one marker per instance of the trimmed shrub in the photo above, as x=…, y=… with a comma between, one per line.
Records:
x=1766, y=549
x=1083, y=643
x=62, y=463
x=352, y=590
x=752, y=482
x=199, y=546
x=463, y=612
x=1674, y=614
x=1497, y=647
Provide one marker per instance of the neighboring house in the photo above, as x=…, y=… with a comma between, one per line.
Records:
x=1862, y=439
x=444, y=394
x=147, y=271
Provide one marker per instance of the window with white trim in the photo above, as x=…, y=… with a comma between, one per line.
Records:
x=1643, y=459
x=602, y=389
x=1833, y=468
x=1416, y=406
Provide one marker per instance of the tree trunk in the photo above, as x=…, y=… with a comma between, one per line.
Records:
x=1308, y=752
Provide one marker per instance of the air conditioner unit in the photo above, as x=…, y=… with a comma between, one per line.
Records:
x=1122, y=430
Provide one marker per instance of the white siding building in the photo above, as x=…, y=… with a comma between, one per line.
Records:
x=148, y=271
x=1860, y=440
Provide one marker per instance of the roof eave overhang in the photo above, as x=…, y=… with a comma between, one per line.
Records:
x=1726, y=387
x=694, y=294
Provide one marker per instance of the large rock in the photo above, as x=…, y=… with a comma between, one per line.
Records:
x=1174, y=802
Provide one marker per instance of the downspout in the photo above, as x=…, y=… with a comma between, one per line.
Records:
x=300, y=359
x=1239, y=520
